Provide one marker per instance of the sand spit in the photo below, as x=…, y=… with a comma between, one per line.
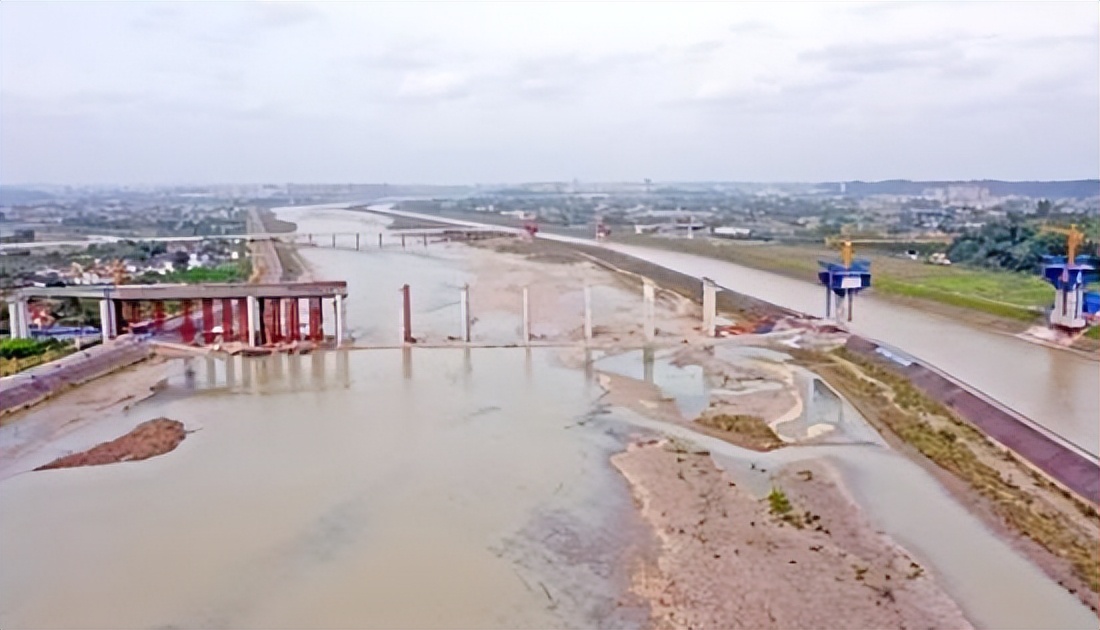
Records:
x=726, y=561
x=148, y=439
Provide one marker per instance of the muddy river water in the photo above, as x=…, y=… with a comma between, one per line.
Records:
x=413, y=488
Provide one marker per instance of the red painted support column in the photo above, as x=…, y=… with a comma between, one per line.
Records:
x=227, y=319
x=293, y=315
x=267, y=323
x=276, y=307
x=244, y=331
x=158, y=315
x=187, y=327
x=207, y=321
x=406, y=317
x=316, y=330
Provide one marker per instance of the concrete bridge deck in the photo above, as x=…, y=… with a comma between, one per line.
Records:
x=176, y=292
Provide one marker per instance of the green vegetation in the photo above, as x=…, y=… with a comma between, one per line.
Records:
x=1017, y=297
x=17, y=355
x=755, y=432
x=778, y=502
x=225, y=273
x=1014, y=245
x=22, y=348
x=892, y=402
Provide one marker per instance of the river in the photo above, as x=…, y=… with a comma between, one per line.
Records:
x=1054, y=388
x=409, y=488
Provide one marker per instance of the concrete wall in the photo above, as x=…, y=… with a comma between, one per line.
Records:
x=24, y=390
x=1062, y=462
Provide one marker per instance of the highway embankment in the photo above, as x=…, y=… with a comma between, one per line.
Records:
x=40, y=383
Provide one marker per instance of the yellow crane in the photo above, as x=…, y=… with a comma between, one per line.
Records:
x=1074, y=239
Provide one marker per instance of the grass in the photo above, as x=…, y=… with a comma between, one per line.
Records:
x=892, y=402
x=753, y=429
x=1013, y=296
x=228, y=272
x=17, y=355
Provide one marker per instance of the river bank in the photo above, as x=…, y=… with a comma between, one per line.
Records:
x=1002, y=301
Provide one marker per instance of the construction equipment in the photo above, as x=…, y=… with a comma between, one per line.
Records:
x=1074, y=239
x=1068, y=276
x=843, y=280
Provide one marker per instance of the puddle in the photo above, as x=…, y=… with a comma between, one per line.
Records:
x=686, y=384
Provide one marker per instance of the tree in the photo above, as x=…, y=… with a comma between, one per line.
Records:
x=181, y=260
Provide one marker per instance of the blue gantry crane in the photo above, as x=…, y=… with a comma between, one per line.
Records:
x=1069, y=276
x=843, y=280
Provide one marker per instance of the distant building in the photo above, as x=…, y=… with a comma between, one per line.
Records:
x=726, y=231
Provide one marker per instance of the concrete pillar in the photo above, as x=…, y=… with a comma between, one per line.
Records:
x=341, y=320
x=587, y=313
x=316, y=321
x=17, y=322
x=284, y=320
x=105, y=319
x=207, y=321
x=379, y=240
x=293, y=324
x=710, y=306
x=406, y=315
x=253, y=306
x=464, y=312
x=244, y=327
x=13, y=320
x=526, y=316
x=227, y=320
x=649, y=312
x=25, y=320
x=357, y=241
x=158, y=315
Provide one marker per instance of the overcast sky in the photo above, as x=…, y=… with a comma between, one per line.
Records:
x=494, y=92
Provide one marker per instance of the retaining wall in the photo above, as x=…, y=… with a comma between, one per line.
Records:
x=24, y=390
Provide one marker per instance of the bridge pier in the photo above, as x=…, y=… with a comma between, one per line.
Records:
x=649, y=306
x=587, y=313
x=316, y=323
x=341, y=307
x=107, y=319
x=253, y=306
x=158, y=315
x=710, y=306
x=207, y=321
x=18, y=317
x=227, y=319
x=294, y=313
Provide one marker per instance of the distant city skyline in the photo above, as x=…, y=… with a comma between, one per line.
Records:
x=456, y=93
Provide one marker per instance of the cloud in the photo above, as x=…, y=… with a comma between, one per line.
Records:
x=434, y=85
x=279, y=15
x=752, y=27
x=883, y=57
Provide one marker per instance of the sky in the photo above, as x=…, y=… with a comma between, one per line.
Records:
x=491, y=92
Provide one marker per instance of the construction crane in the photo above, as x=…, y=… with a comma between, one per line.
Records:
x=1072, y=306
x=843, y=280
x=1074, y=239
